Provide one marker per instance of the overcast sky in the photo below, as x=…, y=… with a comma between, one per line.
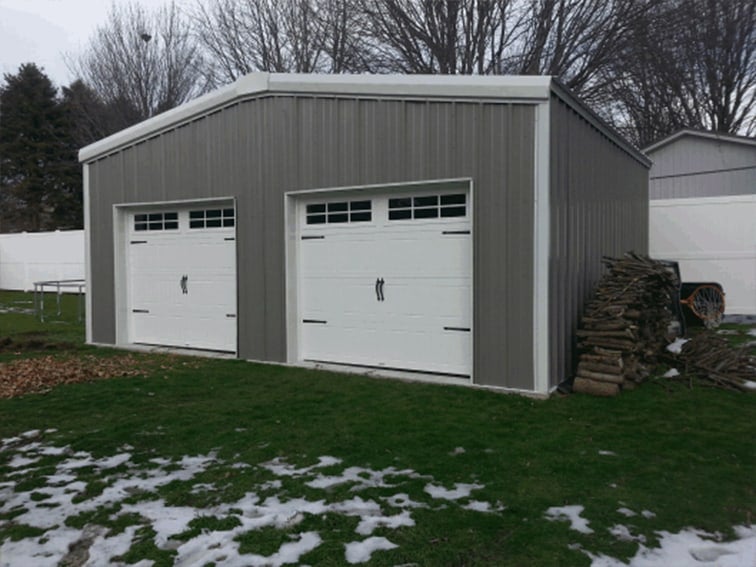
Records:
x=41, y=31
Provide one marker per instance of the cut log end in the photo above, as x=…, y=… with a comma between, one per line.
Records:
x=595, y=388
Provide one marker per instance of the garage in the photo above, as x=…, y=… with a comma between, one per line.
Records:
x=181, y=274
x=439, y=228
x=386, y=279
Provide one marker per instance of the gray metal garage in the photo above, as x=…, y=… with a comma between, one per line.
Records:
x=446, y=228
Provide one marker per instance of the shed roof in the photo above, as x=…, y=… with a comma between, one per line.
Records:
x=704, y=134
x=496, y=88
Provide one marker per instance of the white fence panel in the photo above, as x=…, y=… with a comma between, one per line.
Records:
x=28, y=257
x=713, y=239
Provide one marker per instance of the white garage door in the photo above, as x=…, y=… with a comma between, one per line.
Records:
x=385, y=281
x=182, y=277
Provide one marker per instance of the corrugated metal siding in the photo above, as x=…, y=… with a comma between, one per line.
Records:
x=599, y=207
x=701, y=167
x=260, y=149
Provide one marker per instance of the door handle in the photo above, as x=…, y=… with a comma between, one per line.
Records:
x=380, y=290
x=183, y=283
x=377, y=292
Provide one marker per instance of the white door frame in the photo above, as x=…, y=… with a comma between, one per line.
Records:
x=292, y=258
x=121, y=287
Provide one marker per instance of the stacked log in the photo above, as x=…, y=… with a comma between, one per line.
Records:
x=625, y=326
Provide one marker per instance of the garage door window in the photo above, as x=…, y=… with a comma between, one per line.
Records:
x=156, y=221
x=339, y=212
x=211, y=218
x=428, y=207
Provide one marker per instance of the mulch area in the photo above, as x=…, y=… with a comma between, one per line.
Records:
x=41, y=374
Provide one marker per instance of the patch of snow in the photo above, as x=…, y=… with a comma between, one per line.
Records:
x=370, y=523
x=271, y=485
x=572, y=514
x=676, y=346
x=607, y=453
x=627, y=512
x=288, y=553
x=402, y=500
x=31, y=433
x=750, y=384
x=689, y=547
x=281, y=468
x=457, y=451
x=623, y=533
x=752, y=332
x=104, y=548
x=113, y=462
x=361, y=477
x=360, y=551
x=460, y=490
x=648, y=514
x=485, y=507
x=20, y=461
x=202, y=487
x=671, y=373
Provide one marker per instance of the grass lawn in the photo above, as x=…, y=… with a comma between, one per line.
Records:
x=208, y=460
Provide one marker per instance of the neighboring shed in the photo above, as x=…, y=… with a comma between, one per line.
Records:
x=702, y=210
x=446, y=228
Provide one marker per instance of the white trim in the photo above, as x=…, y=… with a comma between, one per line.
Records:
x=716, y=136
x=695, y=201
x=541, y=249
x=293, y=287
x=87, y=256
x=503, y=88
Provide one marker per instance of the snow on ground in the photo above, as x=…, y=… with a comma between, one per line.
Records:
x=607, y=453
x=750, y=384
x=689, y=547
x=460, y=490
x=671, y=373
x=676, y=346
x=360, y=551
x=572, y=514
x=131, y=491
x=752, y=332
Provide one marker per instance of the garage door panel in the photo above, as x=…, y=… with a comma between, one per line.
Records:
x=442, y=352
x=185, y=279
x=419, y=319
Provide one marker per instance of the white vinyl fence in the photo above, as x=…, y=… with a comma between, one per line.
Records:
x=713, y=239
x=29, y=257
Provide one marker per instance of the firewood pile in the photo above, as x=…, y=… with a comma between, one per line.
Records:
x=625, y=326
x=711, y=361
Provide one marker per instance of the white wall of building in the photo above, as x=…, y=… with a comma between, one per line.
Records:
x=713, y=239
x=28, y=257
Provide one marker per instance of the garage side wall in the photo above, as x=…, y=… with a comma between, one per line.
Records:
x=258, y=150
x=599, y=207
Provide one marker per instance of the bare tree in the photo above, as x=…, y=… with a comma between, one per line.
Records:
x=441, y=36
x=575, y=40
x=301, y=36
x=691, y=63
x=141, y=63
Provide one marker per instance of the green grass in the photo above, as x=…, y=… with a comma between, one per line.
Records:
x=687, y=455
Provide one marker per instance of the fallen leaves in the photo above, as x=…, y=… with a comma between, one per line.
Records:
x=41, y=374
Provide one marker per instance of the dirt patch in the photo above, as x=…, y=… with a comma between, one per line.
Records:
x=39, y=375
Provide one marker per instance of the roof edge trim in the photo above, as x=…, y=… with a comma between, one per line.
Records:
x=709, y=135
x=495, y=88
x=566, y=95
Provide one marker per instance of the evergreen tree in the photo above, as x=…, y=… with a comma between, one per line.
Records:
x=40, y=178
